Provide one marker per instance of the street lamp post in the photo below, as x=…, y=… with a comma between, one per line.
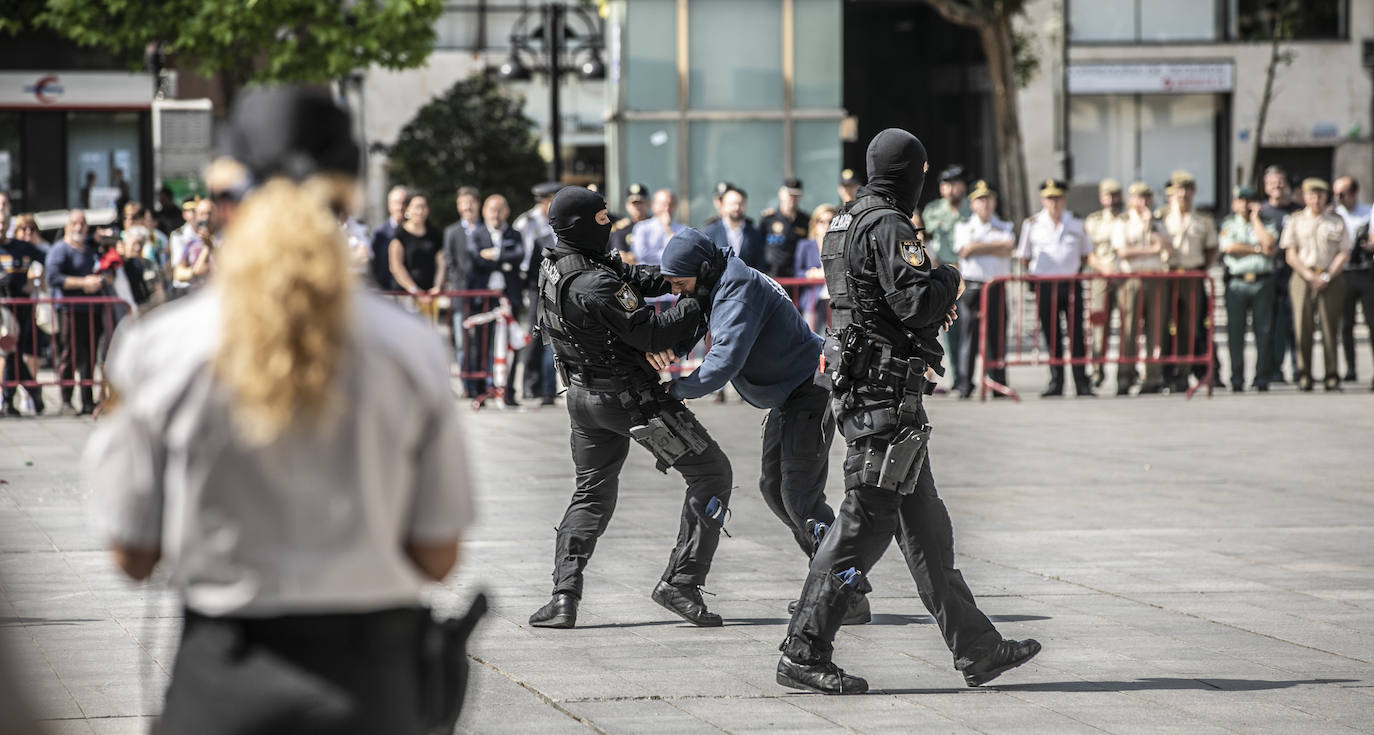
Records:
x=556, y=40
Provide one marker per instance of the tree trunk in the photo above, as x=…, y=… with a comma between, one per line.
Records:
x=995, y=35
x=1269, y=74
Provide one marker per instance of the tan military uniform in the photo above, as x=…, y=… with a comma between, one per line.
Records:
x=1194, y=237
x=1318, y=239
x=1141, y=300
x=1102, y=294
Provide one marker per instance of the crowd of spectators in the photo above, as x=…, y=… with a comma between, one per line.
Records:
x=1289, y=269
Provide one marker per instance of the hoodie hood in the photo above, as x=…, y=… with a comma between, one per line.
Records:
x=573, y=217
x=897, y=168
x=686, y=253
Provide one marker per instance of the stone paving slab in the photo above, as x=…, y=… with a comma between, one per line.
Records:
x=1190, y=566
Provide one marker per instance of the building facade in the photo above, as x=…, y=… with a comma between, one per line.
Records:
x=1156, y=85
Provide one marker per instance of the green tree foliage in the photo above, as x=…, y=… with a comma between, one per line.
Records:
x=475, y=134
x=245, y=40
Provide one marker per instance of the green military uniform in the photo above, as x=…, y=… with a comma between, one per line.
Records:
x=939, y=218
x=1250, y=291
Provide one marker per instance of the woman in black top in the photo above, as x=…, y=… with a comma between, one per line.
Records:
x=417, y=260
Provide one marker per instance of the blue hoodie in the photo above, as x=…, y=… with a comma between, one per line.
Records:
x=759, y=341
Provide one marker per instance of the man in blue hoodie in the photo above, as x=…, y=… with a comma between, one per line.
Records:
x=761, y=344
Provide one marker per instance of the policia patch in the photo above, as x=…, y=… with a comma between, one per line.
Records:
x=913, y=253
x=628, y=299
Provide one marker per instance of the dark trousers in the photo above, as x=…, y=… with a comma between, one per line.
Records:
x=600, y=442
x=1189, y=310
x=1254, y=299
x=1359, y=291
x=994, y=346
x=867, y=520
x=344, y=673
x=1281, y=337
x=81, y=333
x=796, y=461
x=1061, y=313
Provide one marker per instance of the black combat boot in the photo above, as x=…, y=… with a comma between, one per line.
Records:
x=1005, y=656
x=826, y=678
x=561, y=612
x=685, y=600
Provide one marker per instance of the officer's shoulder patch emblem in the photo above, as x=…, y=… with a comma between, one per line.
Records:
x=627, y=298
x=630, y=239
x=913, y=252
x=778, y=226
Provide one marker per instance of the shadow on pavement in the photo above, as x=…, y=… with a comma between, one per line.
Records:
x=684, y=624
x=46, y=621
x=889, y=619
x=1160, y=683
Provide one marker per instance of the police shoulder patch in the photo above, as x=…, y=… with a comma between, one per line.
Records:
x=778, y=226
x=913, y=252
x=627, y=298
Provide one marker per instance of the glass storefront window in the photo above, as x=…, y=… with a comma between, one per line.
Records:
x=651, y=154
x=745, y=153
x=649, y=43
x=816, y=160
x=1097, y=21
x=1146, y=137
x=735, y=55
x=102, y=159
x=817, y=57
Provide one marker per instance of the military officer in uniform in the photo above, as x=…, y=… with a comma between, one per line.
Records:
x=593, y=311
x=1317, y=246
x=636, y=210
x=1142, y=245
x=1102, y=293
x=889, y=304
x=1194, y=238
x=1247, y=248
x=940, y=217
x=782, y=229
x=1053, y=243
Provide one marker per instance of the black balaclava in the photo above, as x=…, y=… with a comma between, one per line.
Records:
x=897, y=168
x=573, y=217
x=291, y=131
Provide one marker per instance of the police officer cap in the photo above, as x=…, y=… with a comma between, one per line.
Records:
x=1053, y=188
x=546, y=189
x=847, y=178
x=792, y=184
x=1182, y=178
x=1247, y=193
x=1315, y=184
x=636, y=193
x=980, y=190
x=1109, y=186
x=1140, y=189
x=952, y=173
x=291, y=131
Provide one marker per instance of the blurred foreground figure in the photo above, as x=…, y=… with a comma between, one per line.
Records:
x=290, y=444
x=889, y=305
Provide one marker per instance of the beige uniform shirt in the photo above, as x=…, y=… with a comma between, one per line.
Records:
x=1319, y=238
x=1099, y=226
x=313, y=522
x=1133, y=231
x=1194, y=236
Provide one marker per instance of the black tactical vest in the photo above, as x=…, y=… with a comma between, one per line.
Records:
x=848, y=294
x=582, y=348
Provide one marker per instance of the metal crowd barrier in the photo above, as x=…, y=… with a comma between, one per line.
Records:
x=71, y=334
x=481, y=331
x=1181, y=331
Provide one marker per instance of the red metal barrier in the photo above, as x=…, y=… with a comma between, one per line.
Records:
x=1179, y=309
x=76, y=329
x=480, y=311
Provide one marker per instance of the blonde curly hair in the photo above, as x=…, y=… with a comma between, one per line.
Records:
x=286, y=288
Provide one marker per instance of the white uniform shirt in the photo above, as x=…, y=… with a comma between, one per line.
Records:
x=1053, y=250
x=313, y=522
x=1354, y=219
x=982, y=268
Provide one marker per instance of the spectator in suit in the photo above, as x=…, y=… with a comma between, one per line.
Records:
x=496, y=250
x=734, y=231
x=384, y=234
x=457, y=266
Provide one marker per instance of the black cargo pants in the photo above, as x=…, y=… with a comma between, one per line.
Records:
x=600, y=442
x=796, y=460
x=867, y=520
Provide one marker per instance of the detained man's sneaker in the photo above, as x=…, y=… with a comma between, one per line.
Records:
x=561, y=612
x=826, y=678
x=686, y=601
x=1006, y=656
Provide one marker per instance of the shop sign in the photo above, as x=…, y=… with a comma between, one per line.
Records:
x=75, y=90
x=1152, y=78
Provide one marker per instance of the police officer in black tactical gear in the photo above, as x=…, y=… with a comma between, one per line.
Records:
x=888, y=306
x=593, y=312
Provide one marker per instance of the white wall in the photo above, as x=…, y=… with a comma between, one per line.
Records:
x=1324, y=89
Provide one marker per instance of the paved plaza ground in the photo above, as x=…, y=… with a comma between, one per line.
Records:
x=1190, y=566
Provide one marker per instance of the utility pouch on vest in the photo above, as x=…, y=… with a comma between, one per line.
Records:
x=670, y=436
x=845, y=356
